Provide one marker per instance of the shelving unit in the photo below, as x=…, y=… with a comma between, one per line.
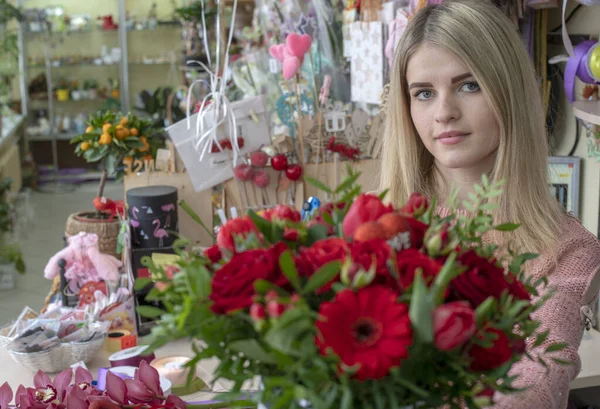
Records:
x=587, y=110
x=148, y=60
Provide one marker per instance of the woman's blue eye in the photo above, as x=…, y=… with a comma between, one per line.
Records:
x=470, y=87
x=423, y=95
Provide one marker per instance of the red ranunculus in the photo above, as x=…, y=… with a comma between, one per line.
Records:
x=453, y=325
x=409, y=261
x=483, y=278
x=485, y=359
x=238, y=227
x=365, y=252
x=213, y=253
x=365, y=208
x=368, y=327
x=233, y=284
x=310, y=259
x=416, y=205
x=282, y=212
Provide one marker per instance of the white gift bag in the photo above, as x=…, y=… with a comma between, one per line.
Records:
x=217, y=167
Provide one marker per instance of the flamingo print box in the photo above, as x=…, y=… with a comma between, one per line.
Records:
x=153, y=216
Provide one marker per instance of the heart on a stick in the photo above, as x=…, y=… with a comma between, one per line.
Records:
x=298, y=45
x=290, y=67
x=277, y=52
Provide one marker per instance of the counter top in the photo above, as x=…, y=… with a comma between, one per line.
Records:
x=15, y=375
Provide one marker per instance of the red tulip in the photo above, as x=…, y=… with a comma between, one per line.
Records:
x=366, y=208
x=115, y=388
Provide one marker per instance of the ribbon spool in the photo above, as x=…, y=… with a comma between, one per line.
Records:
x=118, y=340
x=131, y=357
x=584, y=64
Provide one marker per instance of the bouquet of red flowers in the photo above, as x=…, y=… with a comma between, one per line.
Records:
x=362, y=306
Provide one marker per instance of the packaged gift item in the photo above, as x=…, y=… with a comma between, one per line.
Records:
x=153, y=216
x=241, y=127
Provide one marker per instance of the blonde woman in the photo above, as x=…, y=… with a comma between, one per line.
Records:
x=464, y=101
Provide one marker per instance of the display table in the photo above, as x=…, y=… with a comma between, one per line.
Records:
x=15, y=375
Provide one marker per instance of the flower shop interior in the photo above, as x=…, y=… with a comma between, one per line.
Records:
x=134, y=134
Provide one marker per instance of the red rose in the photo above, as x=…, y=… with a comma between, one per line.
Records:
x=366, y=208
x=310, y=259
x=485, y=359
x=368, y=327
x=453, y=325
x=409, y=261
x=282, y=212
x=365, y=252
x=483, y=278
x=213, y=253
x=417, y=232
x=238, y=227
x=416, y=205
x=233, y=284
x=517, y=288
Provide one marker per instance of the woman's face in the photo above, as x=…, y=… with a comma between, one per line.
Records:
x=450, y=112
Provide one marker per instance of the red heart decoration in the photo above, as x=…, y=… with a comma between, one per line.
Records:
x=277, y=52
x=290, y=67
x=298, y=45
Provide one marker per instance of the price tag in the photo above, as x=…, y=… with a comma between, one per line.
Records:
x=274, y=66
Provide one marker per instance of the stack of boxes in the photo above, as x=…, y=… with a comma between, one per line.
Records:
x=154, y=227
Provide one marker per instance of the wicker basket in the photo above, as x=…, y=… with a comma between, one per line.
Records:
x=60, y=358
x=107, y=231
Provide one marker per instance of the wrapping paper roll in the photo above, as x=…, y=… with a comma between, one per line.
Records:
x=131, y=357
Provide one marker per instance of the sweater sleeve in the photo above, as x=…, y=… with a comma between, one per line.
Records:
x=572, y=279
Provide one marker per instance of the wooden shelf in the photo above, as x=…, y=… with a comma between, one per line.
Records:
x=587, y=110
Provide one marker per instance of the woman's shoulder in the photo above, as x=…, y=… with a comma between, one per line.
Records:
x=573, y=236
x=575, y=261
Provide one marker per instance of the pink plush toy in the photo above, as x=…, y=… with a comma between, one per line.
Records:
x=84, y=262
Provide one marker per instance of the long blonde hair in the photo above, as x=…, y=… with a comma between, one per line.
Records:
x=488, y=43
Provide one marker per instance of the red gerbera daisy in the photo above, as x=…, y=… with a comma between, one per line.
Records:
x=368, y=327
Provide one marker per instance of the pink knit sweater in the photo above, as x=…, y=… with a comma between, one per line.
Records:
x=572, y=278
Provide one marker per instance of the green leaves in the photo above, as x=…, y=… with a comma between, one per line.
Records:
x=286, y=262
x=318, y=184
x=322, y=276
x=252, y=349
x=141, y=283
x=421, y=309
x=149, y=311
x=315, y=233
x=507, y=227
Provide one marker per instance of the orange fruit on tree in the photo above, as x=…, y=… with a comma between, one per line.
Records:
x=89, y=129
x=124, y=121
x=85, y=146
x=126, y=132
x=106, y=127
x=134, y=131
x=105, y=139
x=119, y=126
x=127, y=160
